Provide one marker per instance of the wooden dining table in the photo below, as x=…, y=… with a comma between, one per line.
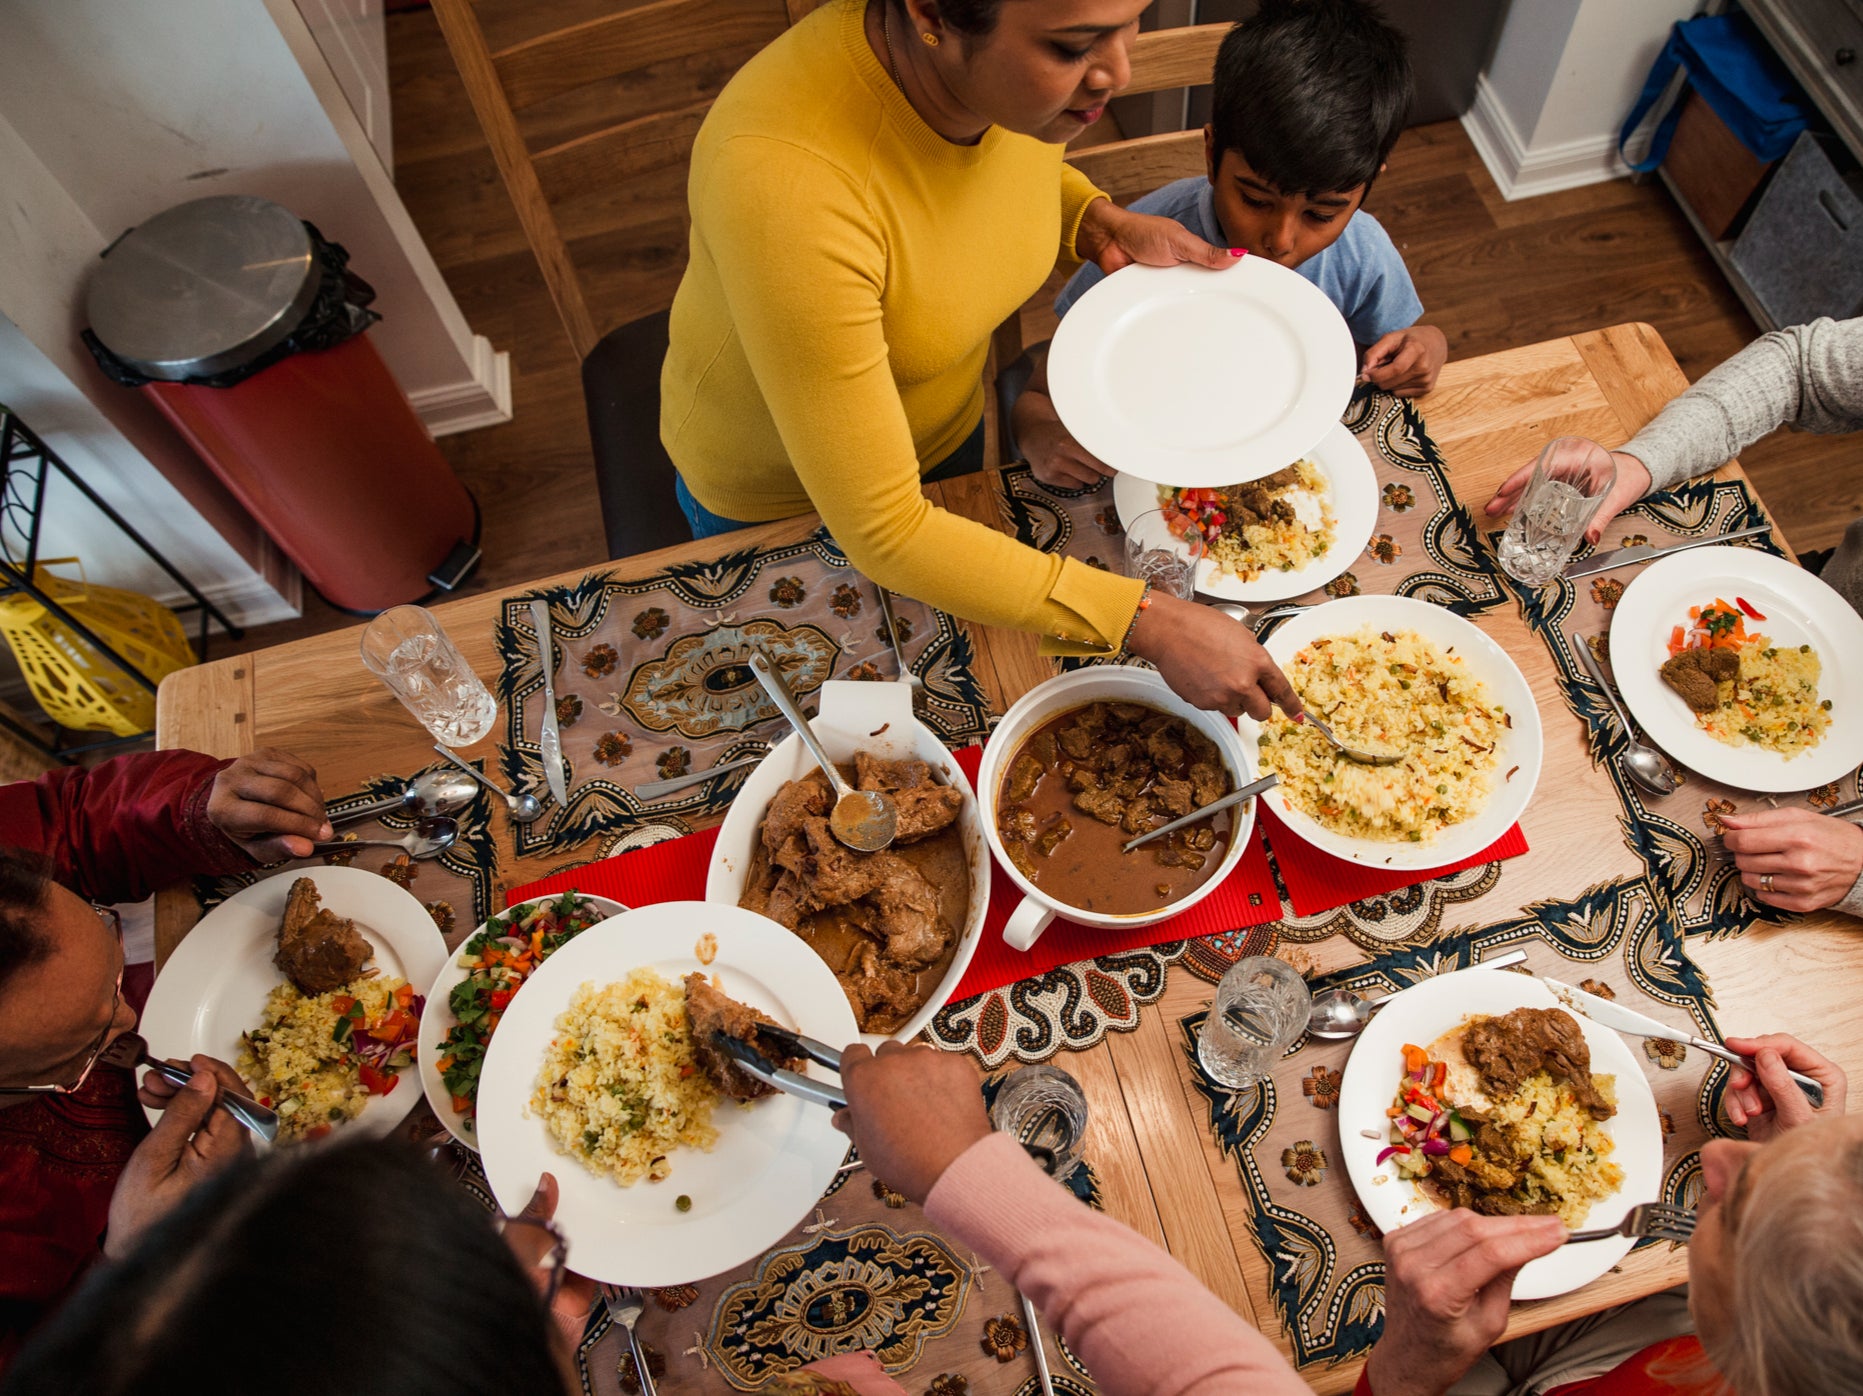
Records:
x=1160, y=1169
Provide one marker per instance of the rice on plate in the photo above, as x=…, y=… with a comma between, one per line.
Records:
x=305, y=1059
x=1383, y=692
x=1276, y=524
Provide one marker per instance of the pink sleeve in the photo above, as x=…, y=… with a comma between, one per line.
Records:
x=1140, y=1321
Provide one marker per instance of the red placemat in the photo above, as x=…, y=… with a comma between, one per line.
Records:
x=1319, y=882
x=675, y=870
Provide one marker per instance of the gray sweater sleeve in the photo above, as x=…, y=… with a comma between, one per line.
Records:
x=1808, y=376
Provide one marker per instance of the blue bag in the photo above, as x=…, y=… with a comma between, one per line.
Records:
x=1728, y=63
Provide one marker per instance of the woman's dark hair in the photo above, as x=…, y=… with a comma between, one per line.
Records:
x=1311, y=93
x=972, y=18
x=24, y=879
x=353, y=1266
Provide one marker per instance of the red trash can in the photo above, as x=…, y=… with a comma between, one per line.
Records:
x=244, y=327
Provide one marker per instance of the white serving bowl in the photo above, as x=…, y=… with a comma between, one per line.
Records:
x=875, y=718
x=1076, y=690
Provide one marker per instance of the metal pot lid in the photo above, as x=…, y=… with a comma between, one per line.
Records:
x=205, y=287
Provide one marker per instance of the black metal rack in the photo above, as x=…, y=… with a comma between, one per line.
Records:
x=25, y=466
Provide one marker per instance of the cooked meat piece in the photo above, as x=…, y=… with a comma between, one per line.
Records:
x=1019, y=823
x=1202, y=838
x=1023, y=856
x=785, y=901
x=833, y=873
x=709, y=1011
x=1452, y=1182
x=1138, y=817
x=1723, y=666
x=1053, y=835
x=1126, y=713
x=1084, y=778
x=1024, y=773
x=872, y=773
x=1683, y=673
x=1174, y=797
x=1102, y=805
x=1285, y=478
x=925, y=809
x=1044, y=749
x=1165, y=750
x=1281, y=511
x=798, y=800
x=908, y=907
x=1255, y=499
x=1113, y=760
x=883, y=997
x=1077, y=741
x=1175, y=852
x=1508, y=1049
x=1209, y=780
x=1501, y=1204
x=318, y=951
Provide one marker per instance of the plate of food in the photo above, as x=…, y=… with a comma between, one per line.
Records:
x=1742, y=666
x=1476, y=1089
x=1398, y=676
x=308, y=984
x=1192, y=377
x=1277, y=536
x=672, y=1164
x=474, y=987
x=897, y=928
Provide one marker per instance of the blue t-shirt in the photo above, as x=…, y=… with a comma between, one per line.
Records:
x=1362, y=272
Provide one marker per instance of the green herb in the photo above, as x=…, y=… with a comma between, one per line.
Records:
x=590, y=1138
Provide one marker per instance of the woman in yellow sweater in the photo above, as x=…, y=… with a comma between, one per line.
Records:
x=871, y=196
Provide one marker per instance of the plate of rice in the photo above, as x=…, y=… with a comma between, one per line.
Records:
x=592, y=1078
x=1590, y=1171
x=1395, y=675
x=1786, y=719
x=1328, y=509
x=221, y=989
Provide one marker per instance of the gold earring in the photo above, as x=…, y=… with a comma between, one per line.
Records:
x=931, y=40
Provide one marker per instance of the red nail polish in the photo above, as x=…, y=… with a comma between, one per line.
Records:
x=1238, y=252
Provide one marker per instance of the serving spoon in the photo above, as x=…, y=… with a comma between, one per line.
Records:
x=427, y=794
x=1247, y=792
x=1645, y=765
x=525, y=809
x=427, y=839
x=1364, y=758
x=864, y=820
x=1339, y=1013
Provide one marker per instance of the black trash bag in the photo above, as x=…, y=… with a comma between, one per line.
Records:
x=339, y=312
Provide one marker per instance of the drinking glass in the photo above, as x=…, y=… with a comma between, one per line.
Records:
x=408, y=651
x=1570, y=480
x=1165, y=554
x=1261, y=1007
x=1043, y=1105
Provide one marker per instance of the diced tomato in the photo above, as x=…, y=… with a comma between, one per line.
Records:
x=316, y=1131
x=377, y=1082
x=1439, y=1075
x=461, y=1105
x=396, y=1026
x=500, y=999
x=1747, y=606
x=404, y=995
x=1678, y=640
x=342, y=1003
x=1414, y=1058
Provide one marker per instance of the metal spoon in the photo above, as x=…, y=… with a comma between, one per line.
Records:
x=427, y=794
x=1364, y=758
x=524, y=808
x=1339, y=1013
x=906, y=676
x=864, y=820
x=654, y=789
x=428, y=839
x=1645, y=765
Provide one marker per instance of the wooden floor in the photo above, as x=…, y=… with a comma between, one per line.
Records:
x=1492, y=274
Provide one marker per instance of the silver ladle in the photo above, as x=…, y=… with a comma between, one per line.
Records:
x=428, y=839
x=427, y=794
x=1645, y=765
x=525, y=809
x=1339, y=1013
x=864, y=820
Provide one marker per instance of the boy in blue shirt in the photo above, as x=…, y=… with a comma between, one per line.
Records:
x=1309, y=96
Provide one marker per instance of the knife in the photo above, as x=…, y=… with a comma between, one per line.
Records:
x=1643, y=552
x=549, y=739
x=1614, y=1015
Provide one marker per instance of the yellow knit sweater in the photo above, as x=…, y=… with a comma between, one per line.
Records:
x=828, y=340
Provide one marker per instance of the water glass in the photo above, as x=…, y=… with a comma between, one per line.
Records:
x=1044, y=1106
x=408, y=651
x=1260, y=1009
x=1570, y=480
x=1165, y=554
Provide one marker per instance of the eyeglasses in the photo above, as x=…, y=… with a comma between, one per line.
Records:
x=552, y=1261
x=108, y=915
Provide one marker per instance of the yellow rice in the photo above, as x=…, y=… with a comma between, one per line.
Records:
x=1276, y=545
x=1774, y=703
x=294, y=1059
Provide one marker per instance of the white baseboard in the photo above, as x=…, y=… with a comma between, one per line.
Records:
x=1520, y=172
x=483, y=400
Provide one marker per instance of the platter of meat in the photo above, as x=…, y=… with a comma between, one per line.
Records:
x=897, y=927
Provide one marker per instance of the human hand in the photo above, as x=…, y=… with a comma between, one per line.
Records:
x=1054, y=457
x=911, y=1110
x=1812, y=860
x=269, y=803
x=1633, y=482
x=1448, y=1278
x=1210, y=660
x=192, y=1141
x=1114, y=237
x=532, y=1243
x=1766, y=1100
x=156, y=1093
x=1406, y=362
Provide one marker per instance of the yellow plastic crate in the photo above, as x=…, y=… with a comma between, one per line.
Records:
x=78, y=686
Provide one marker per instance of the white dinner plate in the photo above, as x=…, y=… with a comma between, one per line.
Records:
x=1519, y=749
x=1352, y=495
x=772, y=1161
x=1188, y=376
x=1422, y=1014
x=1799, y=609
x=214, y=986
x=437, y=1020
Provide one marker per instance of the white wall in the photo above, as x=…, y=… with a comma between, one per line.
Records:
x=1563, y=78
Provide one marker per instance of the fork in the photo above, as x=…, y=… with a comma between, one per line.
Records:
x=132, y=1050
x=1662, y=1221
x=624, y=1304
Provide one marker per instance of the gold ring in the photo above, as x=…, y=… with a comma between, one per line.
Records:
x=1766, y=882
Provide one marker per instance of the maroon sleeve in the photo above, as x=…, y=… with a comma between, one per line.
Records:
x=120, y=830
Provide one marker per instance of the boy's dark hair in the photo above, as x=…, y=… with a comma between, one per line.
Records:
x=23, y=882
x=1312, y=93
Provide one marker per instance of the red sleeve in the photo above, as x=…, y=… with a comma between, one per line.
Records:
x=120, y=830
x=1362, y=1387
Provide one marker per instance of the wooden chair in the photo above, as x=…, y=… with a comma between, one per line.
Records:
x=1125, y=169
x=591, y=126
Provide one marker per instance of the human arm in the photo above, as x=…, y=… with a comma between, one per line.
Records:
x=1405, y=362
x=1766, y=1101
x=1813, y=860
x=192, y=1141
x=1141, y=1322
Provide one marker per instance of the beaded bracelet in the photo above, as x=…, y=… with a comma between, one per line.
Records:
x=1144, y=605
